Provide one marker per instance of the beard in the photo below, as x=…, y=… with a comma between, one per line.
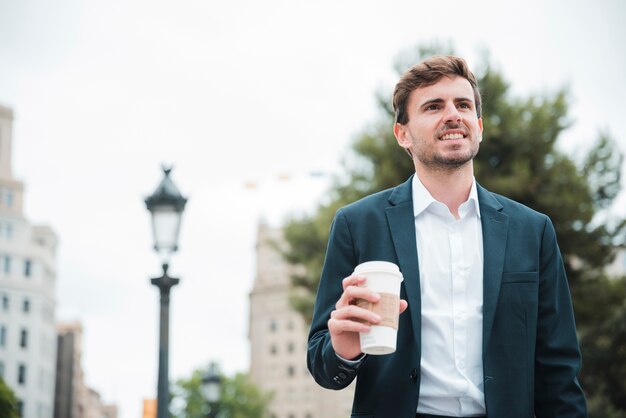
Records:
x=451, y=158
x=450, y=161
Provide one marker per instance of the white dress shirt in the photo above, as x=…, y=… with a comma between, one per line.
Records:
x=450, y=254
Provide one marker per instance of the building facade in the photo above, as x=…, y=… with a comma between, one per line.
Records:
x=278, y=341
x=96, y=408
x=27, y=286
x=71, y=394
x=73, y=398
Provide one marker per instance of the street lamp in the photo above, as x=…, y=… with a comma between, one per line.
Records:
x=211, y=388
x=166, y=206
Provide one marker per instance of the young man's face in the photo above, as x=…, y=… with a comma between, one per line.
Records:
x=443, y=131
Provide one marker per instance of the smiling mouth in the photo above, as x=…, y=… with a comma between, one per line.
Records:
x=448, y=137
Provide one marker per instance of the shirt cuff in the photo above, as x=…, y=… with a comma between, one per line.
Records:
x=354, y=362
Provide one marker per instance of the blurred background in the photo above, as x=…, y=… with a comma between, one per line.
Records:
x=260, y=107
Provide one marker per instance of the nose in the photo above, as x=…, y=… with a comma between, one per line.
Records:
x=451, y=113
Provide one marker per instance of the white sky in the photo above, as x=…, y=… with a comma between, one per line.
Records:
x=103, y=92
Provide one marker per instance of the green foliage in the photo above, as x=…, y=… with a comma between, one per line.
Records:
x=518, y=158
x=604, y=350
x=600, y=407
x=8, y=402
x=602, y=172
x=239, y=398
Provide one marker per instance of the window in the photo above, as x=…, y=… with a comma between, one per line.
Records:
x=3, y=336
x=26, y=305
x=273, y=349
x=273, y=325
x=290, y=348
x=27, y=267
x=1, y=370
x=24, y=338
x=7, y=264
x=291, y=371
x=5, y=302
x=21, y=374
x=8, y=197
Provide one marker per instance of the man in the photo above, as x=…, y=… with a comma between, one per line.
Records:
x=488, y=328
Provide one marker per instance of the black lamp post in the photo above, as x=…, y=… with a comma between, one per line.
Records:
x=211, y=388
x=166, y=206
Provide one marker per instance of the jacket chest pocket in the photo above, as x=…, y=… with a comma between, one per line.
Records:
x=519, y=288
x=517, y=306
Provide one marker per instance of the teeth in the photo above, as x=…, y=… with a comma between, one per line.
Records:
x=452, y=136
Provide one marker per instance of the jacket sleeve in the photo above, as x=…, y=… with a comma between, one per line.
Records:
x=557, y=357
x=328, y=370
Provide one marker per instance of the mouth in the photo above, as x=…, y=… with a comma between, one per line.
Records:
x=451, y=136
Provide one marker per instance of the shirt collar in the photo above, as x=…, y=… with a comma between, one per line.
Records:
x=422, y=198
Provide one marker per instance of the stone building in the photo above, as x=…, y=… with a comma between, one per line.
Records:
x=73, y=398
x=27, y=287
x=71, y=394
x=278, y=341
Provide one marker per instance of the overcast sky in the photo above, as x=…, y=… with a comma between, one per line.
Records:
x=229, y=92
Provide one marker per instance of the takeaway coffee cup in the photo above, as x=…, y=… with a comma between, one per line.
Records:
x=383, y=278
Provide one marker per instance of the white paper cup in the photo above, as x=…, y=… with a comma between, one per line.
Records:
x=384, y=278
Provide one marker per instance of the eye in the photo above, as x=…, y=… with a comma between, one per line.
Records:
x=465, y=105
x=432, y=107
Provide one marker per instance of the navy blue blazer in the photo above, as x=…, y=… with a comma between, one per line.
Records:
x=531, y=356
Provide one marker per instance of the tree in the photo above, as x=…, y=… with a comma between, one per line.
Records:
x=8, y=402
x=603, y=344
x=238, y=398
x=519, y=158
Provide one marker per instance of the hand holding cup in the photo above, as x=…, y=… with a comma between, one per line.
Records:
x=355, y=315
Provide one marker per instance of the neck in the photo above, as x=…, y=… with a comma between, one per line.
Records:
x=450, y=187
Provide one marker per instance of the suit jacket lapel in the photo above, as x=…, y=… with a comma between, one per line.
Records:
x=495, y=230
x=402, y=226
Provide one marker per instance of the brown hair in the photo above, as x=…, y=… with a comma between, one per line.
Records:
x=427, y=73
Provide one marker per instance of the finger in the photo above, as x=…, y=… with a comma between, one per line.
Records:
x=352, y=280
x=337, y=326
x=355, y=313
x=403, y=305
x=352, y=293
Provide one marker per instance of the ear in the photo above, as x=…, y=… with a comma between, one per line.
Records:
x=480, y=125
x=402, y=136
